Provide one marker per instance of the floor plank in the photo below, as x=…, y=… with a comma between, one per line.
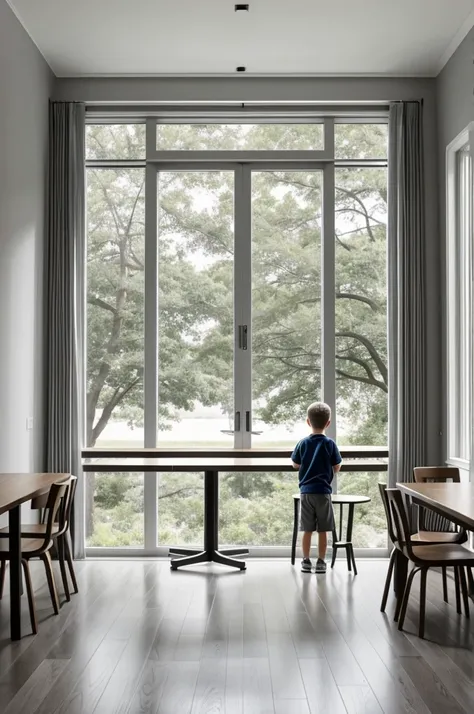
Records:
x=139, y=639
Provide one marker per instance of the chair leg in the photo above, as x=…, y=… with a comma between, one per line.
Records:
x=458, y=590
x=295, y=531
x=465, y=594
x=348, y=556
x=3, y=570
x=353, y=559
x=388, y=580
x=67, y=548
x=470, y=582
x=31, y=598
x=445, y=584
x=406, y=596
x=62, y=565
x=421, y=625
x=48, y=566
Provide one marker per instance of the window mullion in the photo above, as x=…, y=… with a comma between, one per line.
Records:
x=328, y=298
x=242, y=305
x=151, y=347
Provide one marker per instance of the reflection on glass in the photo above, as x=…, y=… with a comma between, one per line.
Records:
x=361, y=306
x=181, y=509
x=114, y=510
x=195, y=308
x=370, y=525
x=286, y=302
x=243, y=137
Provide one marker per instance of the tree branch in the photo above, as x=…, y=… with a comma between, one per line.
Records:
x=370, y=349
x=101, y=303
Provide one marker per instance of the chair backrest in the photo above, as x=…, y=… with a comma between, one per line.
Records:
x=388, y=515
x=66, y=507
x=429, y=520
x=436, y=474
x=56, y=498
x=401, y=526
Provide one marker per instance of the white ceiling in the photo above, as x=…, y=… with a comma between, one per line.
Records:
x=322, y=37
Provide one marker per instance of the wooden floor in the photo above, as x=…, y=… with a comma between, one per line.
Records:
x=271, y=640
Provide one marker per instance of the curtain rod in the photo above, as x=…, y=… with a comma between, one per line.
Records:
x=238, y=110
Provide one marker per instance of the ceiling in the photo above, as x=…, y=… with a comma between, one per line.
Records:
x=207, y=37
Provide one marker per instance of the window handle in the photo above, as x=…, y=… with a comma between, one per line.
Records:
x=237, y=421
x=243, y=333
x=247, y=421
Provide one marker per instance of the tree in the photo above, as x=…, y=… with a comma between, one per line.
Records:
x=195, y=265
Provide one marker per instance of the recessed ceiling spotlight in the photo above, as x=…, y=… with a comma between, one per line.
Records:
x=241, y=69
x=241, y=8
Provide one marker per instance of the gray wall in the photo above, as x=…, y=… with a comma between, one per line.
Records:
x=26, y=83
x=454, y=93
x=329, y=90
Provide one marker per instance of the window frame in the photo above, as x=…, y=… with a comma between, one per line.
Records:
x=459, y=342
x=243, y=163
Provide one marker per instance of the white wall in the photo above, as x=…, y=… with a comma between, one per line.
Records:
x=26, y=83
x=454, y=88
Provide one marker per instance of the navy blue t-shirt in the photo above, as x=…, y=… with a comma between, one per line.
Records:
x=316, y=455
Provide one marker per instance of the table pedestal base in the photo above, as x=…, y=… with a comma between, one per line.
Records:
x=194, y=557
x=211, y=552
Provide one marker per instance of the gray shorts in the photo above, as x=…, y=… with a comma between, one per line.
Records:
x=316, y=512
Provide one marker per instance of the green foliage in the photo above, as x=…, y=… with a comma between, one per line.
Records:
x=195, y=330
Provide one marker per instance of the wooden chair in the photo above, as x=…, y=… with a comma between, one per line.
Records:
x=38, y=547
x=416, y=539
x=425, y=557
x=435, y=528
x=60, y=534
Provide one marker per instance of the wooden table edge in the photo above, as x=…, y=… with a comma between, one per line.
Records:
x=454, y=515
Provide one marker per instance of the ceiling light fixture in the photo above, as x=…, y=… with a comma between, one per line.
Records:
x=241, y=8
x=241, y=69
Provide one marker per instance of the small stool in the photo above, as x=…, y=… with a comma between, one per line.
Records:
x=337, y=542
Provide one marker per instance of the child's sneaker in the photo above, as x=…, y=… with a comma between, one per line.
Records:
x=306, y=565
x=320, y=566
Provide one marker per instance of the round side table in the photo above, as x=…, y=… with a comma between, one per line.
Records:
x=340, y=499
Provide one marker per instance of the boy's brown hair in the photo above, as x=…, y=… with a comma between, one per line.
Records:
x=319, y=414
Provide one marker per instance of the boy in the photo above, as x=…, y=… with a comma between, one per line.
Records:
x=317, y=458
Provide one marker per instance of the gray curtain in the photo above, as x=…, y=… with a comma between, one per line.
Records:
x=64, y=314
x=406, y=292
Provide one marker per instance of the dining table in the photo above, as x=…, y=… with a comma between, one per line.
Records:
x=454, y=501
x=15, y=489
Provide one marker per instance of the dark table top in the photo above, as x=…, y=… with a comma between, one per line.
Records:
x=347, y=452
x=455, y=500
x=19, y=488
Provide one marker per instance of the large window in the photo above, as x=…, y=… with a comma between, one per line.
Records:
x=460, y=191
x=268, y=292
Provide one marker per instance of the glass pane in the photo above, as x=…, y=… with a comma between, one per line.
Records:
x=370, y=524
x=361, y=306
x=181, y=509
x=115, y=141
x=256, y=509
x=114, y=510
x=195, y=320
x=361, y=141
x=286, y=300
x=115, y=340
x=244, y=137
